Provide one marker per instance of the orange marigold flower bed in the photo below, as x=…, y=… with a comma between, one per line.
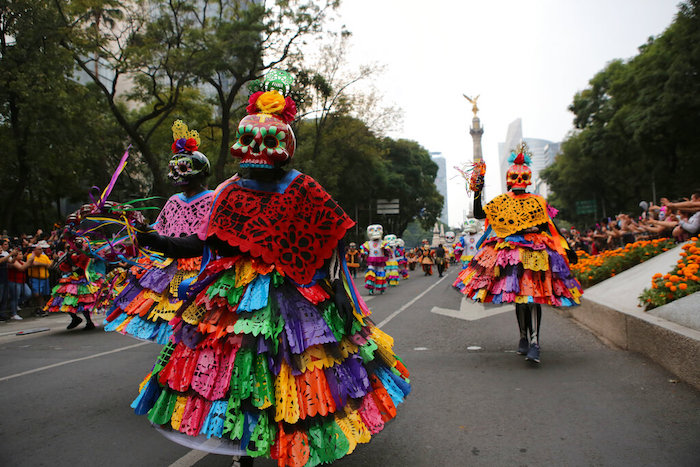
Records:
x=677, y=283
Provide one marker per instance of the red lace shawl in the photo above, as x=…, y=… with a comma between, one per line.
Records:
x=296, y=230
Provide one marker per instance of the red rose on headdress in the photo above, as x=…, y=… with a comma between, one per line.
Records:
x=290, y=110
x=252, y=108
x=184, y=145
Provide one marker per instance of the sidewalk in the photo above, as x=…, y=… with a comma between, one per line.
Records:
x=669, y=335
x=54, y=322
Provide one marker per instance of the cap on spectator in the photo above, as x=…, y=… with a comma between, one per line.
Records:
x=43, y=244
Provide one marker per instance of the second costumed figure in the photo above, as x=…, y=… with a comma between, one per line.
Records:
x=150, y=298
x=273, y=353
x=525, y=262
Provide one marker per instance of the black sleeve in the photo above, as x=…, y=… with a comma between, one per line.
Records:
x=172, y=247
x=478, y=209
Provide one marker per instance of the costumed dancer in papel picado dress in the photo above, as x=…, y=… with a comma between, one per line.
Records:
x=78, y=288
x=468, y=240
x=273, y=353
x=90, y=250
x=149, y=300
x=376, y=252
x=400, y=253
x=392, y=262
x=526, y=261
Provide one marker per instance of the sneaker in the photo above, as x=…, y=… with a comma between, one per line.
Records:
x=523, y=346
x=17, y=317
x=533, y=355
x=74, y=323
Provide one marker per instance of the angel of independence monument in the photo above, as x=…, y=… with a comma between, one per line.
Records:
x=476, y=131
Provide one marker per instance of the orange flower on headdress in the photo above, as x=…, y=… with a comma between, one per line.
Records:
x=271, y=102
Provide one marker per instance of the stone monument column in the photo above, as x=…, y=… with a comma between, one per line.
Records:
x=476, y=131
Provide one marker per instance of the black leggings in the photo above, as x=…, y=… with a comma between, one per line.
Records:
x=529, y=317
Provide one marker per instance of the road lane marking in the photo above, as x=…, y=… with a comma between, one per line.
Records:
x=415, y=299
x=48, y=367
x=471, y=311
x=189, y=459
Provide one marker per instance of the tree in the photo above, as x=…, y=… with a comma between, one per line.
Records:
x=636, y=123
x=239, y=42
x=147, y=49
x=50, y=122
x=157, y=50
x=412, y=181
x=357, y=168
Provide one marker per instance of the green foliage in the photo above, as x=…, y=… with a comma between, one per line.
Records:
x=59, y=142
x=636, y=127
x=357, y=168
x=412, y=180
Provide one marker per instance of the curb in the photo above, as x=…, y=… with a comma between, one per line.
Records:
x=674, y=347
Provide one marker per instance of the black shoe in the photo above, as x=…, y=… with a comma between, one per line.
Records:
x=533, y=355
x=89, y=326
x=523, y=346
x=74, y=323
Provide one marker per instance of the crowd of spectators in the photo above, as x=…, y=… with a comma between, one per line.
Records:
x=678, y=220
x=26, y=273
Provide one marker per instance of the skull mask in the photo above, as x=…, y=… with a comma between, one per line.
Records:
x=375, y=231
x=518, y=177
x=400, y=242
x=450, y=237
x=185, y=166
x=390, y=239
x=471, y=226
x=263, y=141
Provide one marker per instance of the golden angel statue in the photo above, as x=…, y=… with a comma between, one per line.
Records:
x=475, y=109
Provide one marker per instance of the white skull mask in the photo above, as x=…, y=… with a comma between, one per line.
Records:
x=390, y=239
x=472, y=226
x=450, y=237
x=375, y=232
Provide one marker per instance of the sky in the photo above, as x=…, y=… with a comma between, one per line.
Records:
x=524, y=58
